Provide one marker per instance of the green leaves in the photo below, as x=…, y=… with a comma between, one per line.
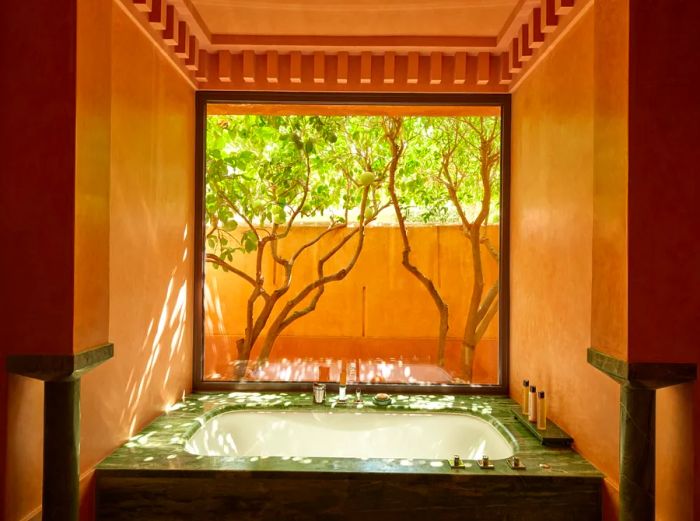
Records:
x=249, y=241
x=263, y=170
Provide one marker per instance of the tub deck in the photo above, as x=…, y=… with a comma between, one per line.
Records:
x=153, y=477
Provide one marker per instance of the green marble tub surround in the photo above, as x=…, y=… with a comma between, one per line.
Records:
x=61, y=376
x=638, y=385
x=156, y=457
x=161, y=445
x=553, y=435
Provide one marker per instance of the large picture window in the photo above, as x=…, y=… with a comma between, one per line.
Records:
x=358, y=236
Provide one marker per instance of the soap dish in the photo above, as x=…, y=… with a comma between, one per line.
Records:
x=382, y=399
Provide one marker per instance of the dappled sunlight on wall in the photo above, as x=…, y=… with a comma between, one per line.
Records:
x=151, y=241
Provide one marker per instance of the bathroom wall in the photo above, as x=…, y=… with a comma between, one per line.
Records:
x=609, y=282
x=36, y=223
x=664, y=253
x=552, y=225
x=92, y=171
x=150, y=256
x=128, y=191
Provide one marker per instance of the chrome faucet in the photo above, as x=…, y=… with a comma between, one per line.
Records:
x=358, y=394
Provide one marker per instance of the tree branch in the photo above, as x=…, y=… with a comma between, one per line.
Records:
x=215, y=259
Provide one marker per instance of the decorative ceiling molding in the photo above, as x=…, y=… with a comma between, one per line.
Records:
x=355, y=63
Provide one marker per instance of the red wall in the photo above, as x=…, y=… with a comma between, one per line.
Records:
x=68, y=163
x=664, y=197
x=36, y=218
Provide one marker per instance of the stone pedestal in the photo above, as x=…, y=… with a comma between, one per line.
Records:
x=638, y=385
x=61, y=376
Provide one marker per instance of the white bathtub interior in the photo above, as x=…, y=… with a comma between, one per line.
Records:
x=348, y=434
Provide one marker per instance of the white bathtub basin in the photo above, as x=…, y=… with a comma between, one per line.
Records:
x=348, y=435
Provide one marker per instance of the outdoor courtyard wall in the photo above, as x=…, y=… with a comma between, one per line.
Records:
x=379, y=310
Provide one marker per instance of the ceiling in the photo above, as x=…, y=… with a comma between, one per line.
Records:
x=354, y=17
x=460, y=46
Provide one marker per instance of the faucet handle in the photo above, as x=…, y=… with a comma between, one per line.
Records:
x=484, y=463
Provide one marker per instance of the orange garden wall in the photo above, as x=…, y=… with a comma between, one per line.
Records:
x=129, y=195
x=551, y=236
x=378, y=311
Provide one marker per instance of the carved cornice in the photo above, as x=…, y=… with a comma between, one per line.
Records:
x=354, y=63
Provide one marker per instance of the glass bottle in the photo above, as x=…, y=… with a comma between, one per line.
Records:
x=541, y=412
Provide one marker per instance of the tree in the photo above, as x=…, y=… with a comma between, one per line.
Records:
x=413, y=186
x=469, y=158
x=263, y=174
x=443, y=169
x=267, y=173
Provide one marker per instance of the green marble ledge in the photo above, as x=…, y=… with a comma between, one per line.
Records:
x=161, y=445
x=642, y=374
x=59, y=368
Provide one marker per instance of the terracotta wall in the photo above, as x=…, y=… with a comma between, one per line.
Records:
x=609, y=280
x=551, y=235
x=36, y=221
x=131, y=179
x=664, y=254
x=378, y=310
x=92, y=169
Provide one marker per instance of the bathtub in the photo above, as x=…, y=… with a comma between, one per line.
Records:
x=348, y=434
x=203, y=459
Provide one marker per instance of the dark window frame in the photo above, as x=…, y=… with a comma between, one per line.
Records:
x=204, y=98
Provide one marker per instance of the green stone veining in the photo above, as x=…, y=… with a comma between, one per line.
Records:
x=161, y=445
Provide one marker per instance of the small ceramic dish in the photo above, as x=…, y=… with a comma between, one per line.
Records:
x=382, y=399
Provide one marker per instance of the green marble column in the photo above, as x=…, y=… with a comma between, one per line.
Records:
x=638, y=385
x=61, y=450
x=61, y=376
x=637, y=452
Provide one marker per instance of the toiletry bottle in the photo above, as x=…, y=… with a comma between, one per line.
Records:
x=526, y=396
x=352, y=372
x=541, y=412
x=343, y=381
x=532, y=405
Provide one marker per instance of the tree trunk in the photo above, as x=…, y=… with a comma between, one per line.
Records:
x=468, y=352
x=428, y=284
x=469, y=340
x=241, y=362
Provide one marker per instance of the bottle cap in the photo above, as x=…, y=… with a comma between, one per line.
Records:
x=526, y=383
x=541, y=394
x=533, y=389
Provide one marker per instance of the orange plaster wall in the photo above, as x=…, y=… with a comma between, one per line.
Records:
x=609, y=282
x=551, y=235
x=92, y=163
x=664, y=191
x=150, y=255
